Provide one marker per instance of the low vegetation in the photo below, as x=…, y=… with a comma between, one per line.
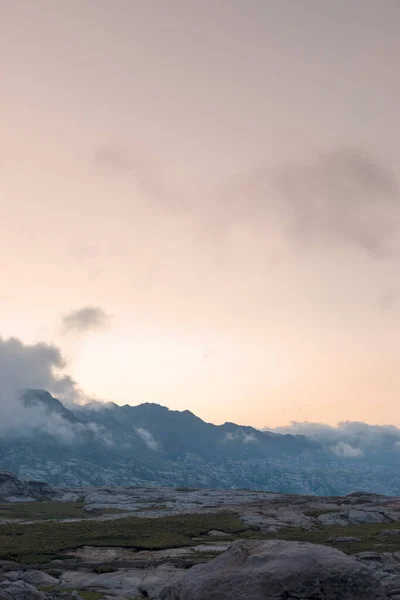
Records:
x=85, y=594
x=34, y=511
x=367, y=534
x=42, y=542
x=100, y=569
x=42, y=510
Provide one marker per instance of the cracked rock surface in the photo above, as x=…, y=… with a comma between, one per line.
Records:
x=278, y=570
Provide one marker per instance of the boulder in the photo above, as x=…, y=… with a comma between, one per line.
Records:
x=19, y=590
x=13, y=489
x=278, y=570
x=38, y=578
x=146, y=583
x=354, y=516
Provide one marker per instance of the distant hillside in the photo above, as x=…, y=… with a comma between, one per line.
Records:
x=150, y=444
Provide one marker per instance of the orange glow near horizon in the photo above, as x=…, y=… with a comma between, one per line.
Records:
x=240, y=229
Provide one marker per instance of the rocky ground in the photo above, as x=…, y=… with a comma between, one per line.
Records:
x=129, y=543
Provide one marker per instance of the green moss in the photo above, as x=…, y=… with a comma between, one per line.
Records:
x=42, y=510
x=41, y=542
x=88, y=595
x=99, y=569
x=53, y=509
x=368, y=534
x=85, y=594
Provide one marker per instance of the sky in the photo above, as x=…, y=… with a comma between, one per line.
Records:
x=200, y=205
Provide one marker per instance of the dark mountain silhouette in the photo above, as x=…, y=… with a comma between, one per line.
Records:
x=146, y=444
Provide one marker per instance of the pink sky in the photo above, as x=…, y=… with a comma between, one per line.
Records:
x=221, y=179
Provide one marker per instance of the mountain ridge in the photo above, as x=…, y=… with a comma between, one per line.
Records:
x=149, y=444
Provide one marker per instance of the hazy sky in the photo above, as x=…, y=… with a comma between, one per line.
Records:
x=200, y=202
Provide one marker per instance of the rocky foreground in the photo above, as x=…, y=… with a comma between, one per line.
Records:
x=188, y=544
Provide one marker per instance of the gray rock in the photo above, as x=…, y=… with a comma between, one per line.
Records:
x=14, y=490
x=274, y=570
x=218, y=534
x=355, y=516
x=389, y=532
x=19, y=590
x=386, y=567
x=146, y=582
x=359, y=516
x=36, y=578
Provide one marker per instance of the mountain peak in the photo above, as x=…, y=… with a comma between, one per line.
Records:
x=44, y=400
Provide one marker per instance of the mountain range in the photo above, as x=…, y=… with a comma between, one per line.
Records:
x=148, y=444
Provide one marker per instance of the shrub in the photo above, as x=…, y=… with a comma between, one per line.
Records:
x=100, y=569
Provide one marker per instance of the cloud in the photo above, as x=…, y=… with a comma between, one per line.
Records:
x=38, y=366
x=348, y=438
x=240, y=436
x=166, y=188
x=249, y=438
x=344, y=449
x=388, y=302
x=88, y=318
x=41, y=367
x=112, y=158
x=343, y=196
x=147, y=437
x=98, y=431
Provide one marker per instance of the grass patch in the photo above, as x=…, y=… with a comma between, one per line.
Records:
x=53, y=509
x=85, y=594
x=42, y=542
x=368, y=535
x=89, y=595
x=100, y=569
x=42, y=510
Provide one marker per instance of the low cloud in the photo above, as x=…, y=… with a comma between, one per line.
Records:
x=249, y=438
x=98, y=432
x=41, y=367
x=88, y=318
x=38, y=366
x=348, y=438
x=148, y=438
x=344, y=449
x=240, y=436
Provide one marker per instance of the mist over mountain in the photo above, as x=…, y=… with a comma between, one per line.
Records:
x=107, y=444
